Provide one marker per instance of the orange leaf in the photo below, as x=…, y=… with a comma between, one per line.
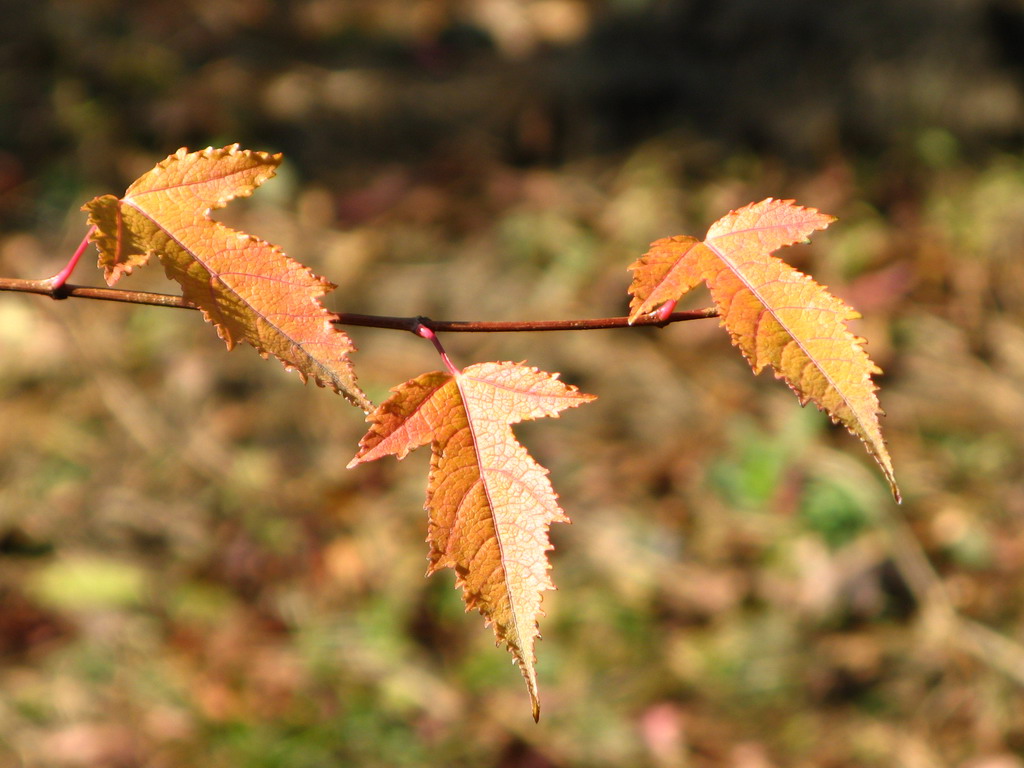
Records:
x=249, y=289
x=489, y=503
x=776, y=315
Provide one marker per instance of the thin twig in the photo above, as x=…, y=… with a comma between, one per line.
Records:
x=68, y=291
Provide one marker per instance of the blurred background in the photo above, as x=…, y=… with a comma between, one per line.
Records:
x=190, y=576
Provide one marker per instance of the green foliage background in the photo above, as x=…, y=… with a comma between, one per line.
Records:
x=190, y=576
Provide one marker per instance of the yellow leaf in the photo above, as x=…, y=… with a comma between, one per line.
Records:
x=249, y=289
x=775, y=314
x=489, y=503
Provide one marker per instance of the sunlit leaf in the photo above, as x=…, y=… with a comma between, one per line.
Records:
x=249, y=289
x=489, y=503
x=775, y=314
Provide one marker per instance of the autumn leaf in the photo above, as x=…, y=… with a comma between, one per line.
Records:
x=249, y=289
x=776, y=315
x=489, y=503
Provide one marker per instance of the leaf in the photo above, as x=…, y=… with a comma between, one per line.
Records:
x=489, y=503
x=249, y=289
x=776, y=315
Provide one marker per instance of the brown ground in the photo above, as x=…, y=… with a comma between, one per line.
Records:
x=190, y=576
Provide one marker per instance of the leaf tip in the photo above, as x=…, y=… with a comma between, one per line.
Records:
x=890, y=476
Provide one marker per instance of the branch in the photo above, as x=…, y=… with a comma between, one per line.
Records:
x=68, y=291
x=50, y=288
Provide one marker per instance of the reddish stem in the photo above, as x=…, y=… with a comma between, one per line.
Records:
x=59, y=279
x=665, y=310
x=422, y=330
